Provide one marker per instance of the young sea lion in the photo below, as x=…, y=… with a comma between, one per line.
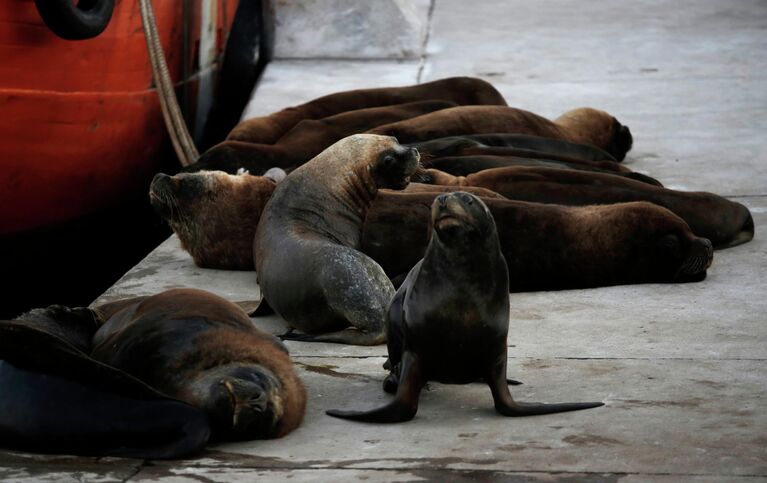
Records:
x=449, y=321
x=549, y=244
x=306, y=246
x=583, y=125
x=460, y=90
x=725, y=223
x=306, y=139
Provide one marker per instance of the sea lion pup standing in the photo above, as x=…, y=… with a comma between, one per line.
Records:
x=583, y=125
x=199, y=348
x=725, y=223
x=307, y=139
x=306, y=245
x=449, y=321
x=460, y=90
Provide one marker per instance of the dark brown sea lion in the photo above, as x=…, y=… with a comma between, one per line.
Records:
x=449, y=321
x=143, y=377
x=725, y=223
x=460, y=90
x=583, y=125
x=469, y=164
x=199, y=348
x=396, y=228
x=519, y=145
x=309, y=268
x=306, y=139
x=552, y=247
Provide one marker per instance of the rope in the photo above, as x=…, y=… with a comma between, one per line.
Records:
x=179, y=134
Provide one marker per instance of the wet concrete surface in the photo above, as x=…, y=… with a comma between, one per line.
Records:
x=682, y=368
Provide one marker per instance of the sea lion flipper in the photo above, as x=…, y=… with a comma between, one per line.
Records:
x=263, y=309
x=403, y=407
x=345, y=336
x=506, y=405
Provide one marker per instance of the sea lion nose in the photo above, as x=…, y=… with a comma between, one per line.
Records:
x=159, y=180
x=442, y=201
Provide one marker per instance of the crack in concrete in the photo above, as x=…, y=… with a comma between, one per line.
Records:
x=425, y=44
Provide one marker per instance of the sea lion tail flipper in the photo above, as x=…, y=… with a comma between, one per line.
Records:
x=75, y=325
x=403, y=407
x=506, y=405
x=349, y=336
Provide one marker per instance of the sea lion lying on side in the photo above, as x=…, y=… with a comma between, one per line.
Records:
x=583, y=125
x=449, y=321
x=460, y=90
x=551, y=245
x=725, y=223
x=144, y=377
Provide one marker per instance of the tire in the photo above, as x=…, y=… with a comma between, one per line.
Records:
x=79, y=20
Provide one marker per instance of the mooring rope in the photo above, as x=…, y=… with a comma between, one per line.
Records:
x=179, y=134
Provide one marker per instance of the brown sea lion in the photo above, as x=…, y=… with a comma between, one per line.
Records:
x=583, y=125
x=460, y=90
x=518, y=145
x=309, y=268
x=147, y=377
x=725, y=223
x=306, y=139
x=553, y=247
x=396, y=229
x=199, y=348
x=449, y=321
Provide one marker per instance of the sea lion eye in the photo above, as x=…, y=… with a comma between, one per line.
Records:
x=388, y=159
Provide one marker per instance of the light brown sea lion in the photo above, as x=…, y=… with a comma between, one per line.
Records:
x=583, y=125
x=449, y=321
x=307, y=139
x=460, y=90
x=725, y=223
x=540, y=241
x=306, y=246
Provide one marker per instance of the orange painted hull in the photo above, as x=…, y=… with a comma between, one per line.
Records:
x=80, y=124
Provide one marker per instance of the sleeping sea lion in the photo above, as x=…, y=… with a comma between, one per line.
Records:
x=460, y=90
x=449, y=321
x=725, y=223
x=522, y=144
x=306, y=245
x=396, y=227
x=306, y=139
x=199, y=348
x=583, y=125
x=143, y=377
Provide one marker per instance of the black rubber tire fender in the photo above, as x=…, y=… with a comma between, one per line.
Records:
x=76, y=20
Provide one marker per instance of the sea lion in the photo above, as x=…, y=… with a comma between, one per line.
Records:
x=583, y=125
x=306, y=139
x=193, y=358
x=201, y=349
x=56, y=399
x=553, y=247
x=449, y=321
x=396, y=227
x=460, y=90
x=725, y=223
x=521, y=144
x=469, y=164
x=309, y=268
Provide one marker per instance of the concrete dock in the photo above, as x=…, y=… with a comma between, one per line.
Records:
x=682, y=368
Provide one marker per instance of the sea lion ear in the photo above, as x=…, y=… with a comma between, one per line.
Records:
x=276, y=174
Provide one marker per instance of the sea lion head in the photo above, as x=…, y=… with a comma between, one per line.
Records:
x=598, y=128
x=459, y=219
x=243, y=401
x=213, y=212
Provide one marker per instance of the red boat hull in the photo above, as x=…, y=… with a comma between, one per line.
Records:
x=80, y=124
